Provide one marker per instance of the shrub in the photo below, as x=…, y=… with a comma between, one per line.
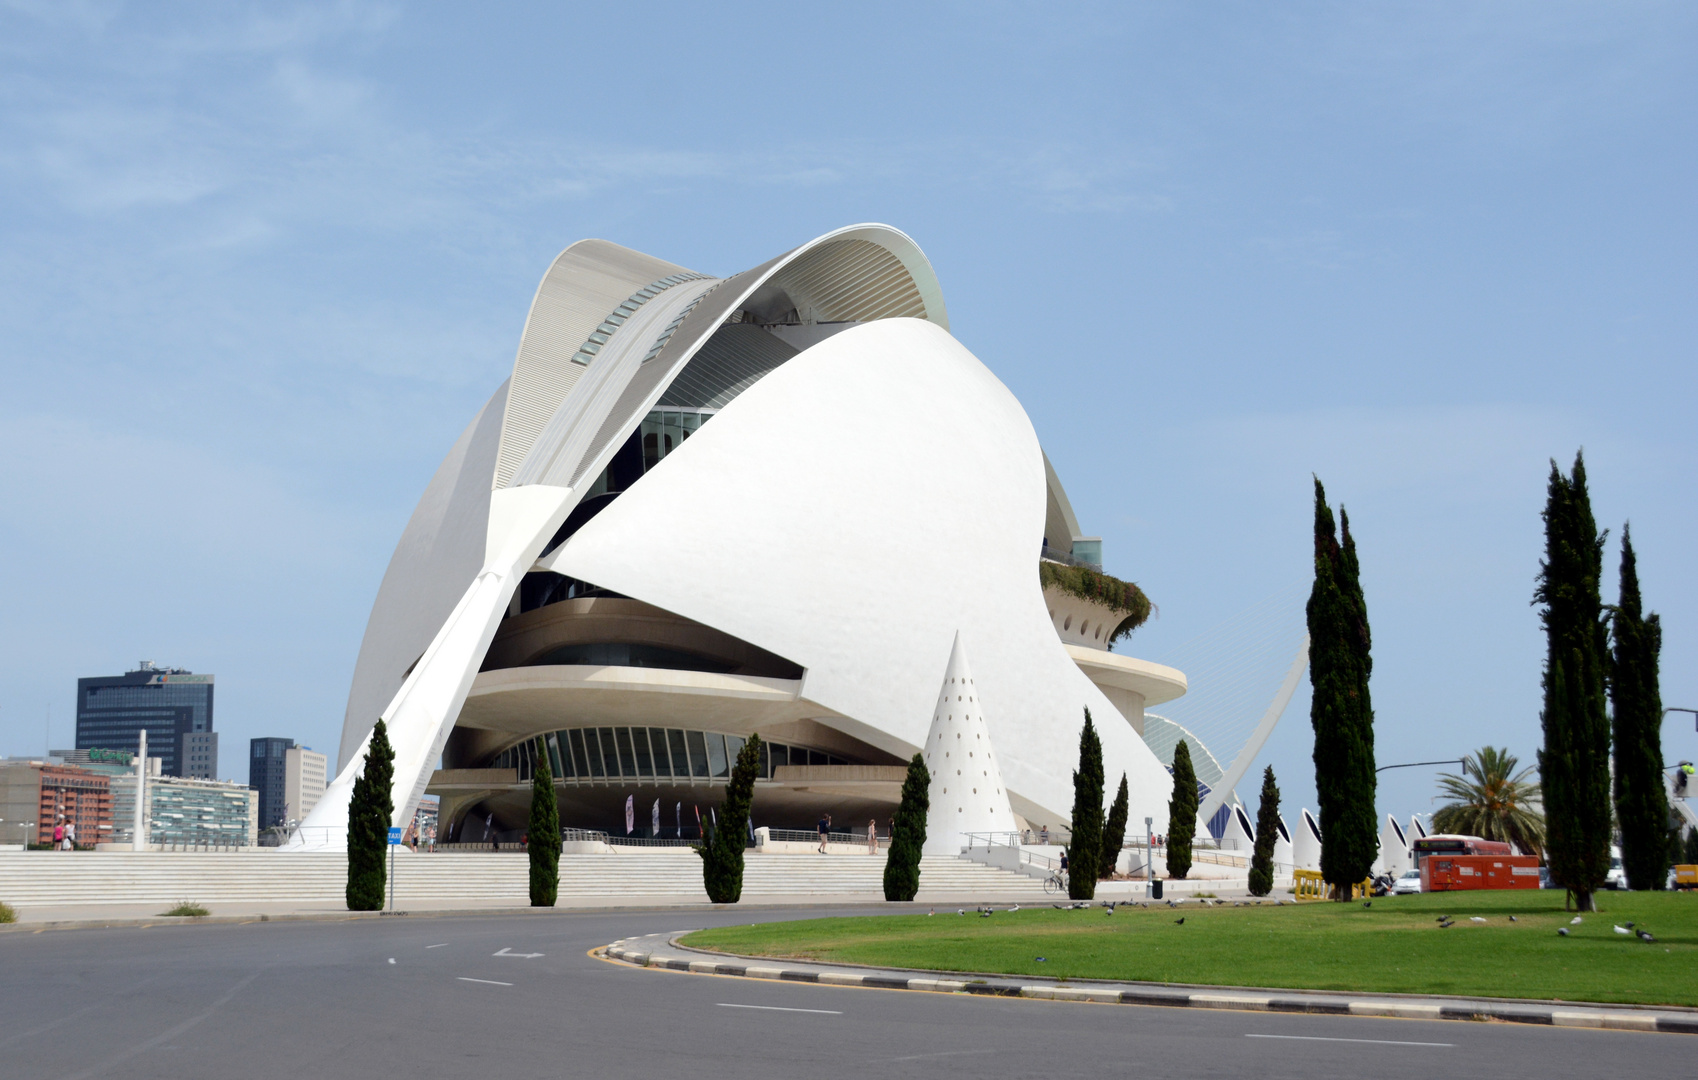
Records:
x=908, y=833
x=542, y=840
x=722, y=853
x=369, y=811
x=8, y=913
x=185, y=909
x=1096, y=587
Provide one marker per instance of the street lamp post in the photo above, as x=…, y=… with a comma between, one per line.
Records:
x=1461, y=763
x=1694, y=712
x=1149, y=855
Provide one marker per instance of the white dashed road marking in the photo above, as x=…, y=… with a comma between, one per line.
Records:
x=779, y=1008
x=489, y=982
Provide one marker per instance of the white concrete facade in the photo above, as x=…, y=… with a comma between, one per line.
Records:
x=796, y=567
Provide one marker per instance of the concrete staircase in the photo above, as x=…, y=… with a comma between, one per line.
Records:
x=664, y=875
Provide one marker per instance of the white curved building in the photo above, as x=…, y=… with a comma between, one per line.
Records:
x=703, y=508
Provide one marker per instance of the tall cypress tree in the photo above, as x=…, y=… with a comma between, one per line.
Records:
x=1641, y=803
x=1114, y=832
x=1267, y=833
x=369, y=810
x=1341, y=711
x=542, y=838
x=1574, y=764
x=1691, y=847
x=908, y=833
x=722, y=854
x=1084, y=850
x=1181, y=813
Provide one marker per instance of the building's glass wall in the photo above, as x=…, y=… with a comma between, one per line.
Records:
x=645, y=753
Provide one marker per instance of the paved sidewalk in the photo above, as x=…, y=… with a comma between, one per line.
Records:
x=663, y=951
x=112, y=915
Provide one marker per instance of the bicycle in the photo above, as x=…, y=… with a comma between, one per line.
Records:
x=1056, y=882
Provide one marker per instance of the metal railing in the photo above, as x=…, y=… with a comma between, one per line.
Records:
x=1068, y=558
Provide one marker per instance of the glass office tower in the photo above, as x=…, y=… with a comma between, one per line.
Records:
x=174, y=705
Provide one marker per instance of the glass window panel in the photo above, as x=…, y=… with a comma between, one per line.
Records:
x=766, y=759
x=698, y=754
x=733, y=747
x=645, y=760
x=816, y=758
x=561, y=769
x=680, y=755
x=657, y=739
x=716, y=755
x=586, y=761
x=627, y=760
x=609, y=755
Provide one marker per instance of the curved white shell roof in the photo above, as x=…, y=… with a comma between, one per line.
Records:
x=847, y=511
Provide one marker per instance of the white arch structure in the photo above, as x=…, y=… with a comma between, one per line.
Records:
x=861, y=492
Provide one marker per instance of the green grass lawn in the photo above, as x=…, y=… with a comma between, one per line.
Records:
x=1393, y=946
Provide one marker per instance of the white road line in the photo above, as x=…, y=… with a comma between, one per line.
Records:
x=779, y=1008
x=444, y=945
x=490, y=982
x=1323, y=1038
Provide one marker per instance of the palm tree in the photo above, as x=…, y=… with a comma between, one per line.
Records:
x=1493, y=801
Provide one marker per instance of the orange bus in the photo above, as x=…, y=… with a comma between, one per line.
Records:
x=1449, y=862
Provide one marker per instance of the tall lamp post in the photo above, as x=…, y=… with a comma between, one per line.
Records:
x=1149, y=855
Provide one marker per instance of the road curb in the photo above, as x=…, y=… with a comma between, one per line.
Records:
x=1619, y=1018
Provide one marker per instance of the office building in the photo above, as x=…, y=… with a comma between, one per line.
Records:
x=187, y=812
x=36, y=796
x=304, y=776
x=266, y=776
x=287, y=777
x=174, y=706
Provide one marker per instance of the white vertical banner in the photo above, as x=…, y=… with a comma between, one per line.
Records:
x=630, y=814
x=654, y=828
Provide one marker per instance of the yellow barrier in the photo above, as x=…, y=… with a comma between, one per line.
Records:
x=1310, y=886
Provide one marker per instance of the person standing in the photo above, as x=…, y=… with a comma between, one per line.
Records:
x=59, y=836
x=825, y=831
x=70, y=836
x=872, y=837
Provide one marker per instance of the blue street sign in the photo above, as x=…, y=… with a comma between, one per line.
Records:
x=394, y=834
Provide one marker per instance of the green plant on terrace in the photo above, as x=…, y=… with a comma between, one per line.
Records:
x=1096, y=587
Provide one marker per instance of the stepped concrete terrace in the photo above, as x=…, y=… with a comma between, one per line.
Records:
x=89, y=884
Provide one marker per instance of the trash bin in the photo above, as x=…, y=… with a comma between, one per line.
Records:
x=1155, y=889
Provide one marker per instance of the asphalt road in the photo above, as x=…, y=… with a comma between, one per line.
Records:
x=514, y=996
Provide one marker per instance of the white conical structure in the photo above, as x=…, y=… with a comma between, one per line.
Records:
x=1284, y=855
x=1306, y=845
x=1239, y=831
x=967, y=793
x=1394, y=848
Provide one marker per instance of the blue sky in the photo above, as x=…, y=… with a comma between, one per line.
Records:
x=259, y=265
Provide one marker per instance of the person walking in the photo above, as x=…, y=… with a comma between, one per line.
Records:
x=825, y=831
x=872, y=837
x=59, y=836
x=70, y=836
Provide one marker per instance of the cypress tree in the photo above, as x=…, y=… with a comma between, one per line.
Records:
x=908, y=833
x=1691, y=847
x=1574, y=764
x=1181, y=813
x=722, y=853
x=1267, y=833
x=1641, y=803
x=1114, y=832
x=1084, y=850
x=369, y=810
x=542, y=839
x=1341, y=710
